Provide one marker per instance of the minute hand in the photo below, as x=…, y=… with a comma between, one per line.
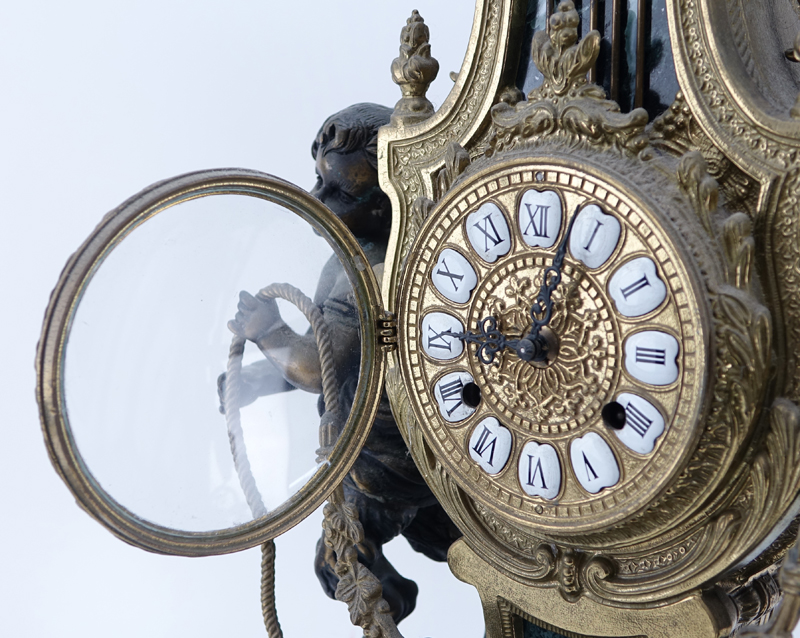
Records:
x=542, y=309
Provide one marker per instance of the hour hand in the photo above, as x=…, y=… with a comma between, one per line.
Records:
x=534, y=346
x=490, y=341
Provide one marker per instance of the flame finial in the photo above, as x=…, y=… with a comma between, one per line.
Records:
x=414, y=70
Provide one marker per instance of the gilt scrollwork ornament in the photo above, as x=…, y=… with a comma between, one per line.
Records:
x=566, y=107
x=414, y=157
x=699, y=186
x=714, y=95
x=417, y=215
x=739, y=247
x=571, y=571
x=786, y=237
x=543, y=559
x=456, y=160
x=677, y=131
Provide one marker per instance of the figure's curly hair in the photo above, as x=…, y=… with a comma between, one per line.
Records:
x=352, y=129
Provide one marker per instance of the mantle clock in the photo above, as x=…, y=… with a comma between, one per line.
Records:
x=588, y=324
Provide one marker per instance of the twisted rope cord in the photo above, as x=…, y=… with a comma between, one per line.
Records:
x=235, y=433
x=236, y=437
x=313, y=314
x=268, y=609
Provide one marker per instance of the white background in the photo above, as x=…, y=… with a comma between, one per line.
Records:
x=97, y=101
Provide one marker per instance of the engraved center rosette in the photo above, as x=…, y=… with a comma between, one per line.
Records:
x=569, y=390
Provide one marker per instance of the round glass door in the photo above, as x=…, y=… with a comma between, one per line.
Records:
x=193, y=356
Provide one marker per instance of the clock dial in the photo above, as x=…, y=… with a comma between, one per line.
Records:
x=439, y=340
x=592, y=426
x=539, y=470
x=490, y=445
x=643, y=423
x=651, y=356
x=595, y=236
x=454, y=406
x=593, y=462
x=636, y=288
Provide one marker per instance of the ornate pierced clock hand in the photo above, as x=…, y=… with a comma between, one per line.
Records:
x=533, y=347
x=543, y=306
x=489, y=340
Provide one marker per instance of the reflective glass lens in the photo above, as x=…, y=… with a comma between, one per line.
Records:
x=148, y=354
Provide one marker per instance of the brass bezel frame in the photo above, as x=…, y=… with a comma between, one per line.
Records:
x=77, y=275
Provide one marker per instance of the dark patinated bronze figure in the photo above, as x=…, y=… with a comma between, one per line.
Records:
x=384, y=483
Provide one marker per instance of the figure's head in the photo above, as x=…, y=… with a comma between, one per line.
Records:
x=347, y=177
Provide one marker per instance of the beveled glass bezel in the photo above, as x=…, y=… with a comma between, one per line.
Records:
x=75, y=278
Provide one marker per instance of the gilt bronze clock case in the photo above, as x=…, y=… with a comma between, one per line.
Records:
x=684, y=531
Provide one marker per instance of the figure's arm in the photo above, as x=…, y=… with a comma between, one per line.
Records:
x=294, y=356
x=258, y=379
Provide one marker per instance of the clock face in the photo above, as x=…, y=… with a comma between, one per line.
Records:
x=597, y=423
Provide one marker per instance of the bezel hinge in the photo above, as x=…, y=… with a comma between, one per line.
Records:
x=387, y=332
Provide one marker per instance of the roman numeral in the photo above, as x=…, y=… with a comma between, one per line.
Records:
x=452, y=392
x=655, y=356
x=439, y=339
x=637, y=420
x=636, y=286
x=492, y=235
x=537, y=220
x=588, y=467
x=594, y=232
x=454, y=278
x=483, y=444
x=533, y=471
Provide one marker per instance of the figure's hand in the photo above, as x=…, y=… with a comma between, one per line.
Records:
x=258, y=379
x=256, y=318
x=248, y=392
